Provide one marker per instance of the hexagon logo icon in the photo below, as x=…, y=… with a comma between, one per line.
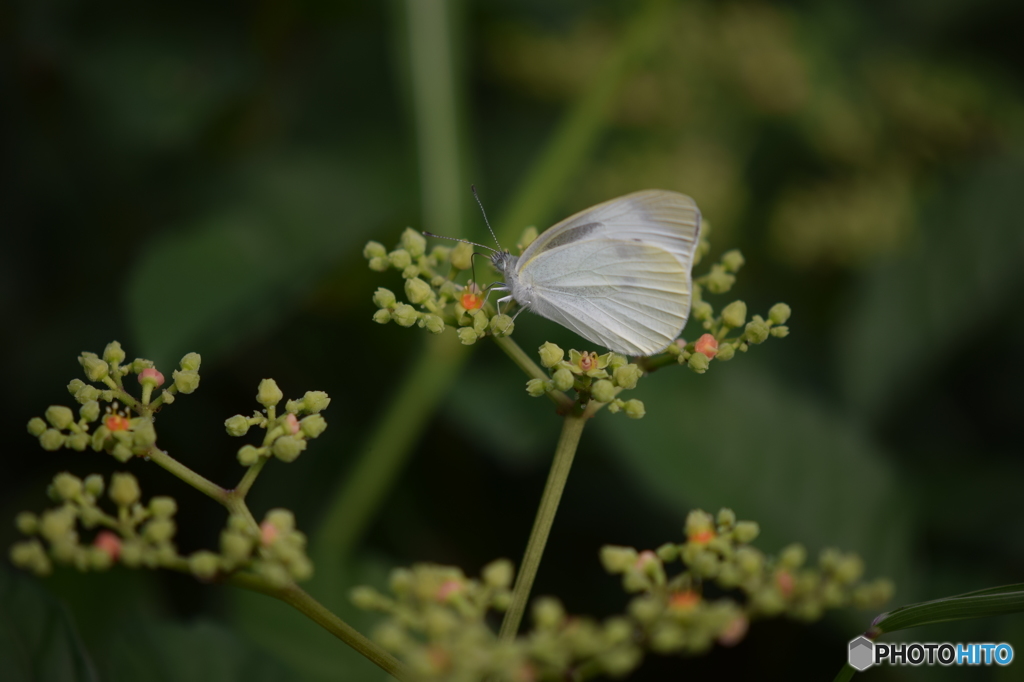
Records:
x=862, y=654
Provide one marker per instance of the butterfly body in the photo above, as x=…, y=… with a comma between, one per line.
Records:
x=617, y=274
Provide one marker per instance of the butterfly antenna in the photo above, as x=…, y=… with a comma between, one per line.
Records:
x=456, y=239
x=486, y=222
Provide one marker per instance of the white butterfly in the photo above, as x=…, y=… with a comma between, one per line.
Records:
x=617, y=274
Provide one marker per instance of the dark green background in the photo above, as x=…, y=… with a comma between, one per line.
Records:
x=199, y=176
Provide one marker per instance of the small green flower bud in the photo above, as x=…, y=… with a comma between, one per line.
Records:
x=36, y=426
x=564, y=379
x=410, y=272
x=735, y=314
x=850, y=569
x=699, y=363
x=139, y=364
x=440, y=254
x=400, y=259
x=501, y=325
x=57, y=523
x=414, y=242
x=726, y=352
x=548, y=613
x=27, y=523
x=627, y=376
x=617, y=559
x=366, y=598
x=237, y=425
x=634, y=409
x=405, y=315
x=248, y=455
x=449, y=290
x=434, y=324
x=87, y=393
x=498, y=574
x=204, y=564
x=603, y=391
x=702, y=310
x=60, y=417
x=462, y=256
x=113, y=353
x=550, y=354
x=167, y=396
x=780, y=332
x=726, y=519
x=91, y=516
x=733, y=261
x=382, y=316
x=51, y=440
x=124, y=489
x=779, y=313
x=418, y=291
x=186, y=381
x=235, y=546
x=90, y=411
x=268, y=394
x=281, y=519
x=95, y=369
x=384, y=298
x=288, y=448
x=313, y=425
x=480, y=322
x=793, y=556
x=144, y=435
x=756, y=332
x=746, y=531
x=468, y=336
x=122, y=453
x=75, y=385
x=163, y=507
x=189, y=363
x=159, y=530
x=374, y=250
x=78, y=441
x=31, y=555
x=380, y=264
x=646, y=609
x=719, y=281
x=537, y=387
x=315, y=401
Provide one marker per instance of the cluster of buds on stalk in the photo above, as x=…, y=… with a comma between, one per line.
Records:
x=434, y=300
x=676, y=616
x=591, y=376
x=286, y=435
x=141, y=535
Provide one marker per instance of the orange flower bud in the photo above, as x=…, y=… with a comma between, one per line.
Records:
x=268, y=533
x=703, y=537
x=683, y=601
x=708, y=345
x=109, y=543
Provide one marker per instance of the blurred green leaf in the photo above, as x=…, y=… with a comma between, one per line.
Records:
x=200, y=652
x=736, y=438
x=912, y=311
x=235, y=273
x=992, y=601
x=38, y=641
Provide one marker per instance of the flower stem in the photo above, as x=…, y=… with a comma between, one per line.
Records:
x=203, y=485
x=572, y=429
x=295, y=596
x=243, y=487
x=519, y=356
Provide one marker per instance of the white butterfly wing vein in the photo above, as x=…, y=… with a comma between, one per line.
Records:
x=630, y=296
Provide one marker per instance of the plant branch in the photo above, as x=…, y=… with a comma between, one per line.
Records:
x=203, y=485
x=572, y=429
x=532, y=370
x=295, y=596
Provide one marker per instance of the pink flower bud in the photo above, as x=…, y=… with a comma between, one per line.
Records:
x=784, y=579
x=268, y=533
x=291, y=424
x=151, y=375
x=708, y=345
x=645, y=557
x=734, y=632
x=109, y=543
x=447, y=589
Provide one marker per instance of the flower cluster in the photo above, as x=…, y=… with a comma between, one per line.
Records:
x=677, y=615
x=436, y=300
x=142, y=535
x=592, y=376
x=717, y=343
x=118, y=432
x=437, y=617
x=286, y=435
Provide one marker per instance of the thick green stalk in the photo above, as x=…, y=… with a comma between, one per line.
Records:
x=200, y=483
x=572, y=429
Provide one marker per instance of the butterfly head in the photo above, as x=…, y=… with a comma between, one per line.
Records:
x=504, y=262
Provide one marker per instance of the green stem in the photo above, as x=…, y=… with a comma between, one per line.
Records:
x=572, y=429
x=295, y=596
x=532, y=370
x=203, y=485
x=242, y=489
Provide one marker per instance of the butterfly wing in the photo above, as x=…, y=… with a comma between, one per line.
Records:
x=618, y=274
x=628, y=296
x=667, y=219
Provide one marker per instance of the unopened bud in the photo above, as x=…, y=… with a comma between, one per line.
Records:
x=779, y=313
x=191, y=362
x=95, y=369
x=756, y=331
x=550, y=354
x=405, y=315
x=237, y=425
x=733, y=260
x=288, y=448
x=60, y=417
x=313, y=425
x=414, y=242
x=468, y=336
x=418, y=291
x=603, y=391
x=186, y=381
x=124, y=489
x=384, y=298
x=564, y=379
x=203, y=564
x=462, y=256
x=268, y=394
x=634, y=409
x=735, y=314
